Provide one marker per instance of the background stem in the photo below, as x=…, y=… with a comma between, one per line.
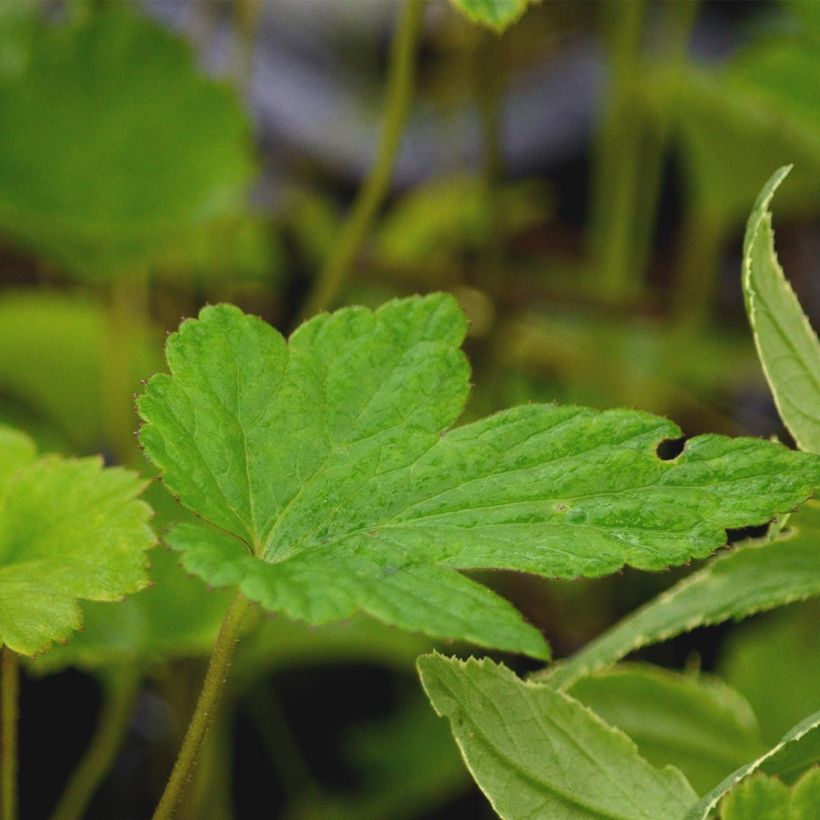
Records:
x=120, y=690
x=205, y=708
x=400, y=82
x=10, y=687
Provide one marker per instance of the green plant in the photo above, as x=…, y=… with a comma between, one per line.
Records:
x=529, y=755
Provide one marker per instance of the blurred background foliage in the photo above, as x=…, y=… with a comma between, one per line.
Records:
x=579, y=182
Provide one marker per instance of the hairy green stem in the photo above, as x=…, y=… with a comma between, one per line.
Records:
x=617, y=158
x=400, y=82
x=10, y=688
x=120, y=690
x=205, y=708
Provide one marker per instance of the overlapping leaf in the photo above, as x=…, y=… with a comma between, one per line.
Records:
x=333, y=484
x=788, y=347
x=767, y=798
x=69, y=530
x=535, y=752
x=697, y=724
x=798, y=751
x=751, y=578
x=113, y=144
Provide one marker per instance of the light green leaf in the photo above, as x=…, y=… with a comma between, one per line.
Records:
x=115, y=145
x=69, y=530
x=798, y=750
x=537, y=753
x=327, y=469
x=758, y=798
x=751, y=578
x=699, y=725
x=788, y=348
x=495, y=14
x=52, y=361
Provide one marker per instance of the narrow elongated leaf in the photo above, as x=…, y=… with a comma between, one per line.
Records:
x=699, y=725
x=495, y=14
x=761, y=797
x=788, y=348
x=798, y=750
x=537, y=753
x=334, y=485
x=69, y=530
x=751, y=578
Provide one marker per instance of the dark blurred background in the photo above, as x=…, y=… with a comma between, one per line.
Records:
x=580, y=183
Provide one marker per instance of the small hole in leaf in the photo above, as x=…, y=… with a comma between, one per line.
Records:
x=670, y=448
x=742, y=533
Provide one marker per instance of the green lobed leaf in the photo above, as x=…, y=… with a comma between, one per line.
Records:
x=761, y=797
x=788, y=347
x=115, y=145
x=751, y=578
x=70, y=530
x=798, y=750
x=333, y=484
x=536, y=752
x=697, y=724
x=495, y=14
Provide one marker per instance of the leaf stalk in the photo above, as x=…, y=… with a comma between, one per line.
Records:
x=9, y=718
x=205, y=708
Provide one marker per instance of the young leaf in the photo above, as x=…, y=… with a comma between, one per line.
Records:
x=798, y=750
x=788, y=348
x=536, y=752
x=114, y=144
x=334, y=485
x=751, y=578
x=495, y=14
x=761, y=797
x=69, y=530
x=698, y=725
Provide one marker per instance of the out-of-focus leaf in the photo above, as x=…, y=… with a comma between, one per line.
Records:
x=495, y=14
x=70, y=530
x=751, y=578
x=737, y=122
x=773, y=663
x=698, y=725
x=433, y=223
x=536, y=752
x=115, y=145
x=407, y=764
x=798, y=750
x=51, y=360
x=788, y=347
x=234, y=249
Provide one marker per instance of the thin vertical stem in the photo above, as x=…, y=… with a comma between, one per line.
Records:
x=618, y=157
x=120, y=690
x=9, y=707
x=205, y=708
x=400, y=82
